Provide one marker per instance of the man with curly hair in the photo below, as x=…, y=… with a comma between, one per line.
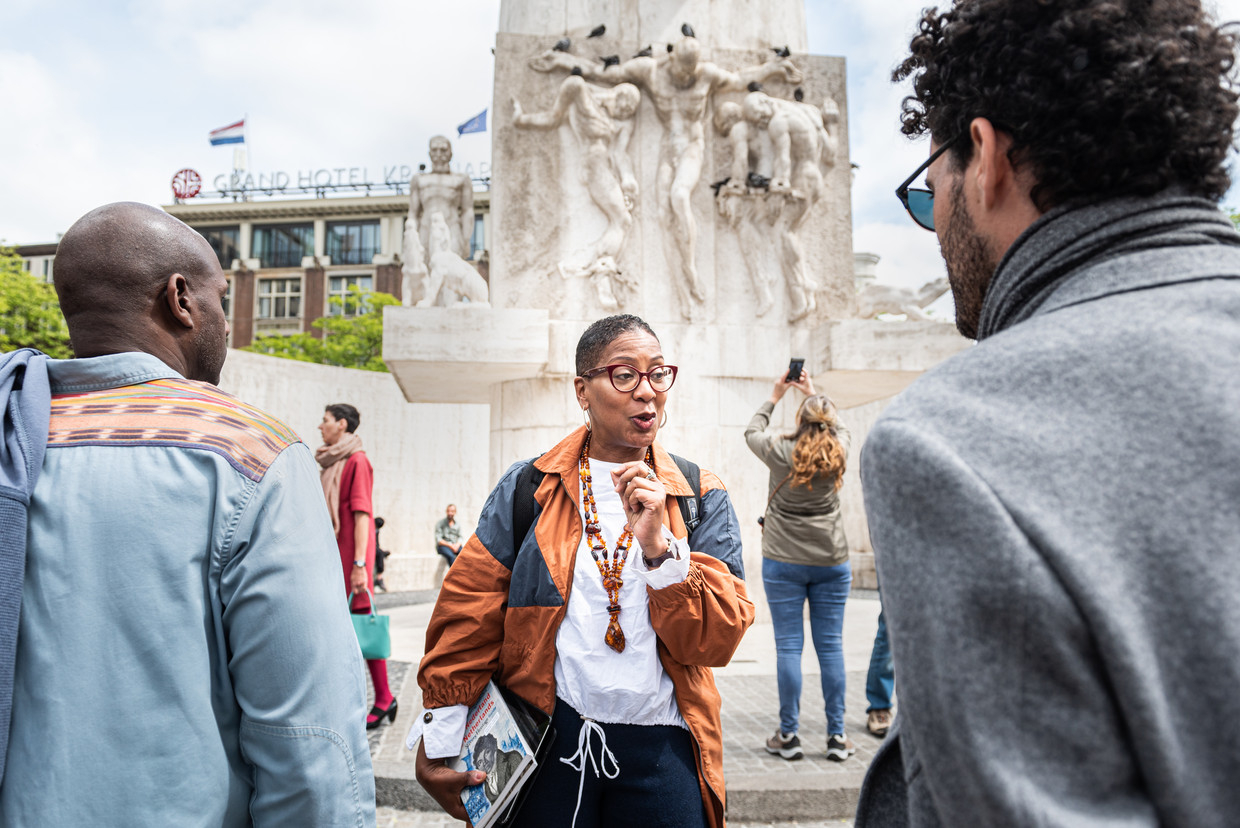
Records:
x=1053, y=511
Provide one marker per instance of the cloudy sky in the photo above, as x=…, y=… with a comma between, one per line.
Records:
x=107, y=100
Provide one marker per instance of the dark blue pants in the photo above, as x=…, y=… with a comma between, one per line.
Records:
x=447, y=552
x=657, y=786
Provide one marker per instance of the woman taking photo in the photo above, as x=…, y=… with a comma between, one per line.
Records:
x=805, y=556
x=606, y=612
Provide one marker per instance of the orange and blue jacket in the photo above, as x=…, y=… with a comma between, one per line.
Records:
x=503, y=600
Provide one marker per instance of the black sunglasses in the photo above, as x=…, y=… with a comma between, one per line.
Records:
x=918, y=201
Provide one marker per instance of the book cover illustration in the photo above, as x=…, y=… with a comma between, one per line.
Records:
x=495, y=745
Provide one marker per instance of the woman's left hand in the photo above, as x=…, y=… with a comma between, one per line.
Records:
x=644, y=501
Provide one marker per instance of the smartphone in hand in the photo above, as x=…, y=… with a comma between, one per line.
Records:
x=794, y=369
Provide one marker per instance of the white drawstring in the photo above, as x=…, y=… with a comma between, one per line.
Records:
x=583, y=753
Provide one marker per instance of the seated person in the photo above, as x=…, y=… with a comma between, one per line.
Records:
x=448, y=535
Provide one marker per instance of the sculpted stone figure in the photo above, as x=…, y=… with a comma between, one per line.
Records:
x=749, y=217
x=441, y=192
x=453, y=280
x=602, y=121
x=779, y=149
x=875, y=299
x=679, y=84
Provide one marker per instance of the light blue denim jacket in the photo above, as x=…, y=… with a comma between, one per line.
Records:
x=185, y=655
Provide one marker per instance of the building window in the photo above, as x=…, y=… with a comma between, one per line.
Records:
x=338, y=289
x=478, y=241
x=352, y=242
x=283, y=245
x=279, y=298
x=225, y=241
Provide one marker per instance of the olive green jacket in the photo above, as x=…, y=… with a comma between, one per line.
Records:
x=803, y=524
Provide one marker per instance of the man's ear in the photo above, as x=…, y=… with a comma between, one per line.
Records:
x=994, y=172
x=177, y=297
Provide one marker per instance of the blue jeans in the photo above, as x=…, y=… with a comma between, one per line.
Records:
x=881, y=678
x=447, y=552
x=787, y=587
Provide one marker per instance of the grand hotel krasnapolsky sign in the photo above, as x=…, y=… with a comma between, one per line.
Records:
x=395, y=177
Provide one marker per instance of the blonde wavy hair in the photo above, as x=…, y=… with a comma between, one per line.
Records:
x=818, y=452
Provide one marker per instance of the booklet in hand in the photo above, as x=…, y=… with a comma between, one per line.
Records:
x=507, y=739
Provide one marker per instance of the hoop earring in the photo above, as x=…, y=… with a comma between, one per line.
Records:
x=663, y=422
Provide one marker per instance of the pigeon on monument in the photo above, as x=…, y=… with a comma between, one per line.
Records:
x=598, y=31
x=562, y=44
x=758, y=182
x=687, y=30
x=798, y=94
x=610, y=60
x=647, y=52
x=782, y=52
x=754, y=86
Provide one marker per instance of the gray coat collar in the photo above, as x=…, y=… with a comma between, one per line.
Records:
x=1076, y=252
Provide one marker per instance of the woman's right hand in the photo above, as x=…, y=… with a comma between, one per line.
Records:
x=444, y=784
x=805, y=385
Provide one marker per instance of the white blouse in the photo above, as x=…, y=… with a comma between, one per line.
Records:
x=629, y=687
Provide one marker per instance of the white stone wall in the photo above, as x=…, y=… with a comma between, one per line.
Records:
x=424, y=456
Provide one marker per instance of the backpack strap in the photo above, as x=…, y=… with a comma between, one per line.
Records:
x=690, y=510
x=524, y=506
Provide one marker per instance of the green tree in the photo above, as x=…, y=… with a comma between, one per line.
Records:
x=30, y=314
x=351, y=340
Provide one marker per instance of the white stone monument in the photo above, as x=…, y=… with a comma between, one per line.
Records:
x=715, y=205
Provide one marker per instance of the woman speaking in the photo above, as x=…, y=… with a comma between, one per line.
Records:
x=606, y=611
x=805, y=556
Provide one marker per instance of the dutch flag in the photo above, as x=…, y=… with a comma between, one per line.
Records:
x=231, y=134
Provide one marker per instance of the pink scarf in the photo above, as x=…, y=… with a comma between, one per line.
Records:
x=331, y=460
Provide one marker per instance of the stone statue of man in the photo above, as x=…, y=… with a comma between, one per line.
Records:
x=441, y=191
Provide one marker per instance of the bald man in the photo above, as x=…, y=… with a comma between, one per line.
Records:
x=184, y=655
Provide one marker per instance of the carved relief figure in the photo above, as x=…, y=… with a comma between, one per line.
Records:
x=442, y=192
x=602, y=121
x=745, y=215
x=875, y=299
x=679, y=84
x=779, y=149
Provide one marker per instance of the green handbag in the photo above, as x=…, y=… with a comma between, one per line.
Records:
x=372, y=632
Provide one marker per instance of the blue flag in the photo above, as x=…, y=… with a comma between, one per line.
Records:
x=478, y=123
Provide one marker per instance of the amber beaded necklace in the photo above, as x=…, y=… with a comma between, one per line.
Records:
x=609, y=566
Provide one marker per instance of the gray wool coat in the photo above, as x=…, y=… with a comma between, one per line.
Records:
x=1055, y=515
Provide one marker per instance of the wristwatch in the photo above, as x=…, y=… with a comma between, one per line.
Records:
x=655, y=563
x=360, y=563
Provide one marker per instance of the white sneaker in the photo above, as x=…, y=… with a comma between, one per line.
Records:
x=789, y=747
x=839, y=747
